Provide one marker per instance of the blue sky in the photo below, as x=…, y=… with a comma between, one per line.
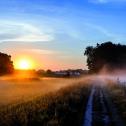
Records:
x=55, y=33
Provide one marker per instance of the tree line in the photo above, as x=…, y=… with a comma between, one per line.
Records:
x=6, y=64
x=108, y=55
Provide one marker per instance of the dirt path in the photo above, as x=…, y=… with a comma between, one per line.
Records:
x=101, y=113
x=100, y=110
x=88, y=113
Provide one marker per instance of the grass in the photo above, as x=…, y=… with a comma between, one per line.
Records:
x=117, y=93
x=64, y=107
x=12, y=91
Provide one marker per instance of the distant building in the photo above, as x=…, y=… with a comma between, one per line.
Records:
x=62, y=73
x=71, y=73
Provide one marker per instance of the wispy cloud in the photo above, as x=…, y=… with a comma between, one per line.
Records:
x=107, y=1
x=101, y=29
x=40, y=51
x=31, y=38
x=98, y=1
x=108, y=34
x=22, y=32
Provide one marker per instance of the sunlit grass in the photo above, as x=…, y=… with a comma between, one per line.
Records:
x=60, y=108
x=22, y=90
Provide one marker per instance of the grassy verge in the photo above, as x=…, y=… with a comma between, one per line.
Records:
x=118, y=95
x=62, y=108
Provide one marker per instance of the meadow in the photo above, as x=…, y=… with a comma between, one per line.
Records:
x=62, y=102
x=13, y=90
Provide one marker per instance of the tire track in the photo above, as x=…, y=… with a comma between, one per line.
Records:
x=88, y=113
x=100, y=110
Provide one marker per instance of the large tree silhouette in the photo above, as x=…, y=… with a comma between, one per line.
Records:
x=112, y=56
x=6, y=65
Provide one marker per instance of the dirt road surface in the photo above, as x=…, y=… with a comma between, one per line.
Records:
x=100, y=110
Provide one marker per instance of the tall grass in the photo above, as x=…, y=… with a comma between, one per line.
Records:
x=12, y=91
x=64, y=107
x=117, y=93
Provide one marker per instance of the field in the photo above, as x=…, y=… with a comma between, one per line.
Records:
x=58, y=99
x=12, y=91
x=62, y=102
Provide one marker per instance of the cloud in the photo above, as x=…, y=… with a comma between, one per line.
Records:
x=107, y=1
x=100, y=29
x=22, y=32
x=30, y=38
x=98, y=1
x=40, y=51
x=105, y=34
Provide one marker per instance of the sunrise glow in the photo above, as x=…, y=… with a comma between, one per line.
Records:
x=24, y=64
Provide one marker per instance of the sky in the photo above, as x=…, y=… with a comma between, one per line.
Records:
x=55, y=33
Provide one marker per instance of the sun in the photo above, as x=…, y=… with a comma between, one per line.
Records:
x=24, y=64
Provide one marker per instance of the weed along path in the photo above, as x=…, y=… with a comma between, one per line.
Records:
x=114, y=116
x=100, y=110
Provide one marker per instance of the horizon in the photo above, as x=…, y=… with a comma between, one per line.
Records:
x=54, y=34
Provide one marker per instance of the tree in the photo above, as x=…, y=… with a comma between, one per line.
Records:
x=112, y=56
x=6, y=65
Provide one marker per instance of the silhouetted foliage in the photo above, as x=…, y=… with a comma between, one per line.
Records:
x=112, y=56
x=6, y=65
